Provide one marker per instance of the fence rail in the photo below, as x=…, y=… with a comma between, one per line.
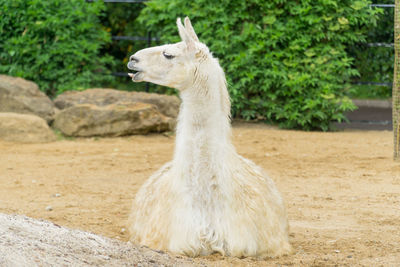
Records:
x=120, y=74
x=120, y=1
x=135, y=38
x=390, y=45
x=373, y=83
x=382, y=5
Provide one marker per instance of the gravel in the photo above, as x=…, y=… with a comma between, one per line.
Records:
x=28, y=242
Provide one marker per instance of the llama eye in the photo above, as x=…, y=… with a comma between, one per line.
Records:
x=168, y=56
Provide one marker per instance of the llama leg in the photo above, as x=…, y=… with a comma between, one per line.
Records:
x=150, y=217
x=163, y=216
x=256, y=220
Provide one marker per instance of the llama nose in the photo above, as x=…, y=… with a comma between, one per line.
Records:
x=133, y=58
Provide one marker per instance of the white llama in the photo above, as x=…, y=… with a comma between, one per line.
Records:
x=208, y=198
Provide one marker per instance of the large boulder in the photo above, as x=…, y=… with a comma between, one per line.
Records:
x=84, y=120
x=167, y=105
x=21, y=96
x=28, y=242
x=24, y=128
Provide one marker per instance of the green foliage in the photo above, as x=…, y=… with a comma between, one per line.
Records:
x=370, y=91
x=375, y=64
x=54, y=43
x=120, y=20
x=285, y=60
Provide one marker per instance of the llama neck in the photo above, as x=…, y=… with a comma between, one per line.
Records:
x=203, y=130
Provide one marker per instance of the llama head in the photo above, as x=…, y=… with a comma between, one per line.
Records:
x=171, y=65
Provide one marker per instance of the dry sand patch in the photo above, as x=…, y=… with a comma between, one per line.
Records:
x=342, y=189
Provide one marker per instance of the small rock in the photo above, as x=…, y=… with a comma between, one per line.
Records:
x=87, y=120
x=24, y=128
x=106, y=257
x=123, y=230
x=24, y=97
x=167, y=105
x=57, y=195
x=337, y=251
x=49, y=208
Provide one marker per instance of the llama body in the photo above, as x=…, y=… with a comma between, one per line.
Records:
x=208, y=198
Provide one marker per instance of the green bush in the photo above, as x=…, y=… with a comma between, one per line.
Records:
x=285, y=60
x=375, y=64
x=120, y=20
x=54, y=43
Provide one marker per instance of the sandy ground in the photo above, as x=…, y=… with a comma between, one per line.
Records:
x=342, y=189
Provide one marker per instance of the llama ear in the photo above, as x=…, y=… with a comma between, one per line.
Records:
x=185, y=36
x=181, y=29
x=190, y=30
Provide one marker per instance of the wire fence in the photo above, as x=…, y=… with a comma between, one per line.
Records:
x=396, y=87
x=387, y=45
x=395, y=46
x=149, y=39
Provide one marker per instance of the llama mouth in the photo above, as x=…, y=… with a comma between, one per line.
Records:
x=135, y=76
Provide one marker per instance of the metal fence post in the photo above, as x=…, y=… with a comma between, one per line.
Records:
x=396, y=82
x=148, y=45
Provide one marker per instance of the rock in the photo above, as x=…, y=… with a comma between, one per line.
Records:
x=18, y=95
x=49, y=208
x=167, y=105
x=28, y=242
x=24, y=128
x=84, y=120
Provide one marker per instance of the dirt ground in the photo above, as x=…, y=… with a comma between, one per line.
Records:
x=342, y=189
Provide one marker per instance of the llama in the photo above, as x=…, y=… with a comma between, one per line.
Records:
x=208, y=199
